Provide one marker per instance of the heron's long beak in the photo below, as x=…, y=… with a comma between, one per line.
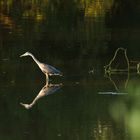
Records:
x=22, y=55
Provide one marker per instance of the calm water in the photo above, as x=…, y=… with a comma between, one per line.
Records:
x=79, y=38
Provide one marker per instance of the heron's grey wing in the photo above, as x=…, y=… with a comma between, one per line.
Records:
x=53, y=70
x=52, y=90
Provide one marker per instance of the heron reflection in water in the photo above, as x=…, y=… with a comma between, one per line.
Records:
x=48, y=70
x=46, y=90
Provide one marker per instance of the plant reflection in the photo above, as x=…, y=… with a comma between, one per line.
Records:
x=46, y=90
x=115, y=80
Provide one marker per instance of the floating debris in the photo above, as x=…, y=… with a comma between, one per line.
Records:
x=5, y=59
x=76, y=83
x=59, y=135
x=113, y=93
x=138, y=68
x=91, y=71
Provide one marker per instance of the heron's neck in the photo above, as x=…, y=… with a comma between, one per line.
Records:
x=40, y=95
x=35, y=59
x=33, y=102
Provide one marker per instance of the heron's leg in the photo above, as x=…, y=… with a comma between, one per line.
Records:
x=47, y=79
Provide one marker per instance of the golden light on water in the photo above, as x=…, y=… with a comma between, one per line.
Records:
x=35, y=9
x=97, y=8
x=7, y=21
x=103, y=131
x=94, y=9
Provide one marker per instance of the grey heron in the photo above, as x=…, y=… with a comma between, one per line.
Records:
x=48, y=70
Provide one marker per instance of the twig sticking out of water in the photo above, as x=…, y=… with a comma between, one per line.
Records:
x=109, y=69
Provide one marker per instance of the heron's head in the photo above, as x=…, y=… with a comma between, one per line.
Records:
x=26, y=54
x=27, y=106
